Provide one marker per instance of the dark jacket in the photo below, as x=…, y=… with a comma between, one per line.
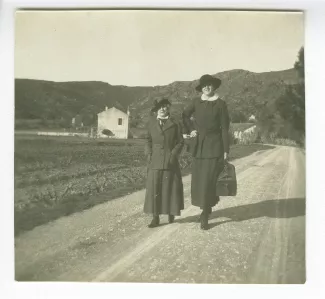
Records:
x=211, y=120
x=164, y=144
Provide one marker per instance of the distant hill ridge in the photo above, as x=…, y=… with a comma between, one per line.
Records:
x=245, y=92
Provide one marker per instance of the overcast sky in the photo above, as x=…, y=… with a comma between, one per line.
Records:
x=146, y=48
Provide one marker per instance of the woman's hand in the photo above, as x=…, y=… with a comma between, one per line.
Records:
x=193, y=133
x=225, y=156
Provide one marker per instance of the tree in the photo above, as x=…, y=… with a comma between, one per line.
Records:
x=300, y=64
x=89, y=115
x=285, y=117
x=291, y=106
x=237, y=117
x=135, y=120
x=108, y=133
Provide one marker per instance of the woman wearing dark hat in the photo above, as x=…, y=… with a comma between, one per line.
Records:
x=210, y=145
x=164, y=187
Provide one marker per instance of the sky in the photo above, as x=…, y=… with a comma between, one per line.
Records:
x=148, y=48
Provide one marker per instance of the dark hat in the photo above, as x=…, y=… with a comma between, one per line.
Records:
x=158, y=103
x=208, y=79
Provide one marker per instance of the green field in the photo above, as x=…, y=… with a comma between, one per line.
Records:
x=57, y=176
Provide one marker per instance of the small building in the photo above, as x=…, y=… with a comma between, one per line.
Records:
x=252, y=118
x=250, y=130
x=113, y=123
x=242, y=131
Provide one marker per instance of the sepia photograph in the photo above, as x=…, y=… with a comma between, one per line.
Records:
x=159, y=146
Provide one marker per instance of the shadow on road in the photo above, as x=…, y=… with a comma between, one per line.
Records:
x=276, y=208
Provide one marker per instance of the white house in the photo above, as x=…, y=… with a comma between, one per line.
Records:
x=252, y=117
x=241, y=133
x=114, y=120
x=250, y=130
x=238, y=134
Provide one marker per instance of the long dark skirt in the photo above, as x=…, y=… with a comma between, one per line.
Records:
x=164, y=194
x=205, y=173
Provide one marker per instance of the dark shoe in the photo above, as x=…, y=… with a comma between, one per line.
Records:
x=204, y=221
x=202, y=215
x=154, y=222
x=171, y=218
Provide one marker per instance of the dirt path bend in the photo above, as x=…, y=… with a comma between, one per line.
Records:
x=256, y=237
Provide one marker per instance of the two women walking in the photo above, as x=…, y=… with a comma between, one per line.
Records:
x=209, y=146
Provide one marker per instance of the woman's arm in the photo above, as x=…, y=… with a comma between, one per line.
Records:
x=179, y=144
x=225, y=122
x=186, y=116
x=148, y=144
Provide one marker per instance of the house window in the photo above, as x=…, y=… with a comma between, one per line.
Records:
x=120, y=121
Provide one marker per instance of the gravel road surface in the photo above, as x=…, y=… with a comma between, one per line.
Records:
x=256, y=237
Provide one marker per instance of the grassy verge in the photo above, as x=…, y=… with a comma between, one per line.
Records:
x=58, y=176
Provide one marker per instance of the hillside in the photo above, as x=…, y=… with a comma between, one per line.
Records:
x=60, y=101
x=245, y=93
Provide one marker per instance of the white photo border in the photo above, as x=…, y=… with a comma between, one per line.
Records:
x=315, y=136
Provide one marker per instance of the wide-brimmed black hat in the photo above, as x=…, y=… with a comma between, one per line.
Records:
x=158, y=103
x=208, y=79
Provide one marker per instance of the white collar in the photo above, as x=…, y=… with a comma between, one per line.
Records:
x=206, y=98
x=166, y=117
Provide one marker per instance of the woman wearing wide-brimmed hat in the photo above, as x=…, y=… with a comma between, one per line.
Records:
x=209, y=143
x=164, y=187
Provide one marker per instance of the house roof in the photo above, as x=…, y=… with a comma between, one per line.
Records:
x=109, y=110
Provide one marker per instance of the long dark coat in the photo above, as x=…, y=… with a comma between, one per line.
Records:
x=211, y=120
x=164, y=187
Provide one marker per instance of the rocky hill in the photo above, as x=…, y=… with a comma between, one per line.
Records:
x=245, y=93
x=60, y=101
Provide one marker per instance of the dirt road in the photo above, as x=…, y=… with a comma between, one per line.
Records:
x=255, y=237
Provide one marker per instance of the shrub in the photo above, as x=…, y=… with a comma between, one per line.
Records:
x=271, y=139
x=249, y=138
x=107, y=132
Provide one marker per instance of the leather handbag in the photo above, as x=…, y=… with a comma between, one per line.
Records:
x=227, y=181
